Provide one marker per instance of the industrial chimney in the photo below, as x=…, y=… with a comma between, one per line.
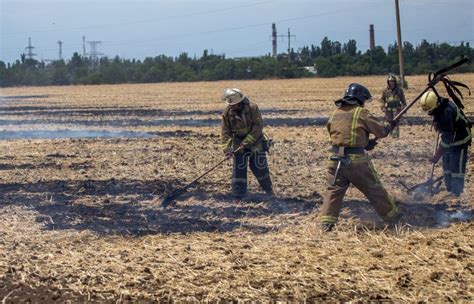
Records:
x=274, y=40
x=372, y=37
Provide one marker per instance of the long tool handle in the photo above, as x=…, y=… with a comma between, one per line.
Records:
x=437, y=76
x=211, y=169
x=434, y=164
x=205, y=173
x=405, y=109
x=171, y=196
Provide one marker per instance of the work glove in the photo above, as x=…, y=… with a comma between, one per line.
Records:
x=371, y=144
x=228, y=153
x=436, y=156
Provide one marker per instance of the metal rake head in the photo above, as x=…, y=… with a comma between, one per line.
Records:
x=431, y=186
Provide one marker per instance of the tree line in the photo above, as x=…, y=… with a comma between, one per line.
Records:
x=329, y=59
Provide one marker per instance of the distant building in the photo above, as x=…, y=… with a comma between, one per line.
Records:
x=311, y=69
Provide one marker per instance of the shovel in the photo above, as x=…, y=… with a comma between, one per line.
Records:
x=431, y=186
x=170, y=197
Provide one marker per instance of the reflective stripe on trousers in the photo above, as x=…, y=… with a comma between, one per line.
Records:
x=258, y=166
x=454, y=167
x=363, y=176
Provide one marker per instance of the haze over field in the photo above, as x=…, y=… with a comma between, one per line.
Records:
x=137, y=29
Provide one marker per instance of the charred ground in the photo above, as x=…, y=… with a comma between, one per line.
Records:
x=81, y=218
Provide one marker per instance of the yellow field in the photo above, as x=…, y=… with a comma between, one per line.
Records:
x=81, y=218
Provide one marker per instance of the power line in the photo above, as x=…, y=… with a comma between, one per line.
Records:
x=237, y=28
x=141, y=21
x=159, y=39
x=229, y=29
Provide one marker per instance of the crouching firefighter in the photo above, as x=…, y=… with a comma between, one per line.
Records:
x=349, y=128
x=392, y=102
x=455, y=130
x=242, y=129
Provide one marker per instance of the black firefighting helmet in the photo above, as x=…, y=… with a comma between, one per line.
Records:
x=358, y=92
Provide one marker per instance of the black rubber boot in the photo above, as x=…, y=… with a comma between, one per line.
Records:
x=269, y=192
x=396, y=220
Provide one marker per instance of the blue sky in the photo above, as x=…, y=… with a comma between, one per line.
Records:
x=139, y=29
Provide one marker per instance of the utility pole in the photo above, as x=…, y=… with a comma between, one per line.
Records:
x=400, y=45
x=30, y=48
x=60, y=49
x=289, y=45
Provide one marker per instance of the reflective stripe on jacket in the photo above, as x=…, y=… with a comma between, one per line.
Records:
x=453, y=125
x=393, y=98
x=350, y=126
x=244, y=127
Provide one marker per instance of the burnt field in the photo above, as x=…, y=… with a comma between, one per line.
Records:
x=84, y=169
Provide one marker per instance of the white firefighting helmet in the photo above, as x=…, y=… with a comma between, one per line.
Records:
x=233, y=96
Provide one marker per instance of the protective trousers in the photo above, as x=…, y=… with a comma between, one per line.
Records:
x=363, y=176
x=390, y=114
x=258, y=165
x=454, y=167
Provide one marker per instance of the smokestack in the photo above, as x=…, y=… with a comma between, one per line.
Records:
x=372, y=37
x=83, y=46
x=274, y=40
x=60, y=49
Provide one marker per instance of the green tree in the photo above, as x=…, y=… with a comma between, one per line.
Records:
x=350, y=48
x=326, y=47
x=60, y=75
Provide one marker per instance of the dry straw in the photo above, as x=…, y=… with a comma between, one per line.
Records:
x=80, y=219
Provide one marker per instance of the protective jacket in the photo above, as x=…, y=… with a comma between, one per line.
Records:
x=350, y=126
x=393, y=99
x=244, y=126
x=450, y=121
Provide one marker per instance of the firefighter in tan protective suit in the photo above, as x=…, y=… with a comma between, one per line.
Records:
x=242, y=128
x=392, y=102
x=349, y=128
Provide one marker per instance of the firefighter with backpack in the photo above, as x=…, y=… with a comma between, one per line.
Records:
x=456, y=137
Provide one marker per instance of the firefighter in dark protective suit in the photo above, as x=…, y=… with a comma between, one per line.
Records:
x=242, y=128
x=349, y=128
x=392, y=102
x=449, y=120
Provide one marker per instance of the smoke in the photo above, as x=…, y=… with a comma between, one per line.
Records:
x=65, y=134
x=444, y=217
